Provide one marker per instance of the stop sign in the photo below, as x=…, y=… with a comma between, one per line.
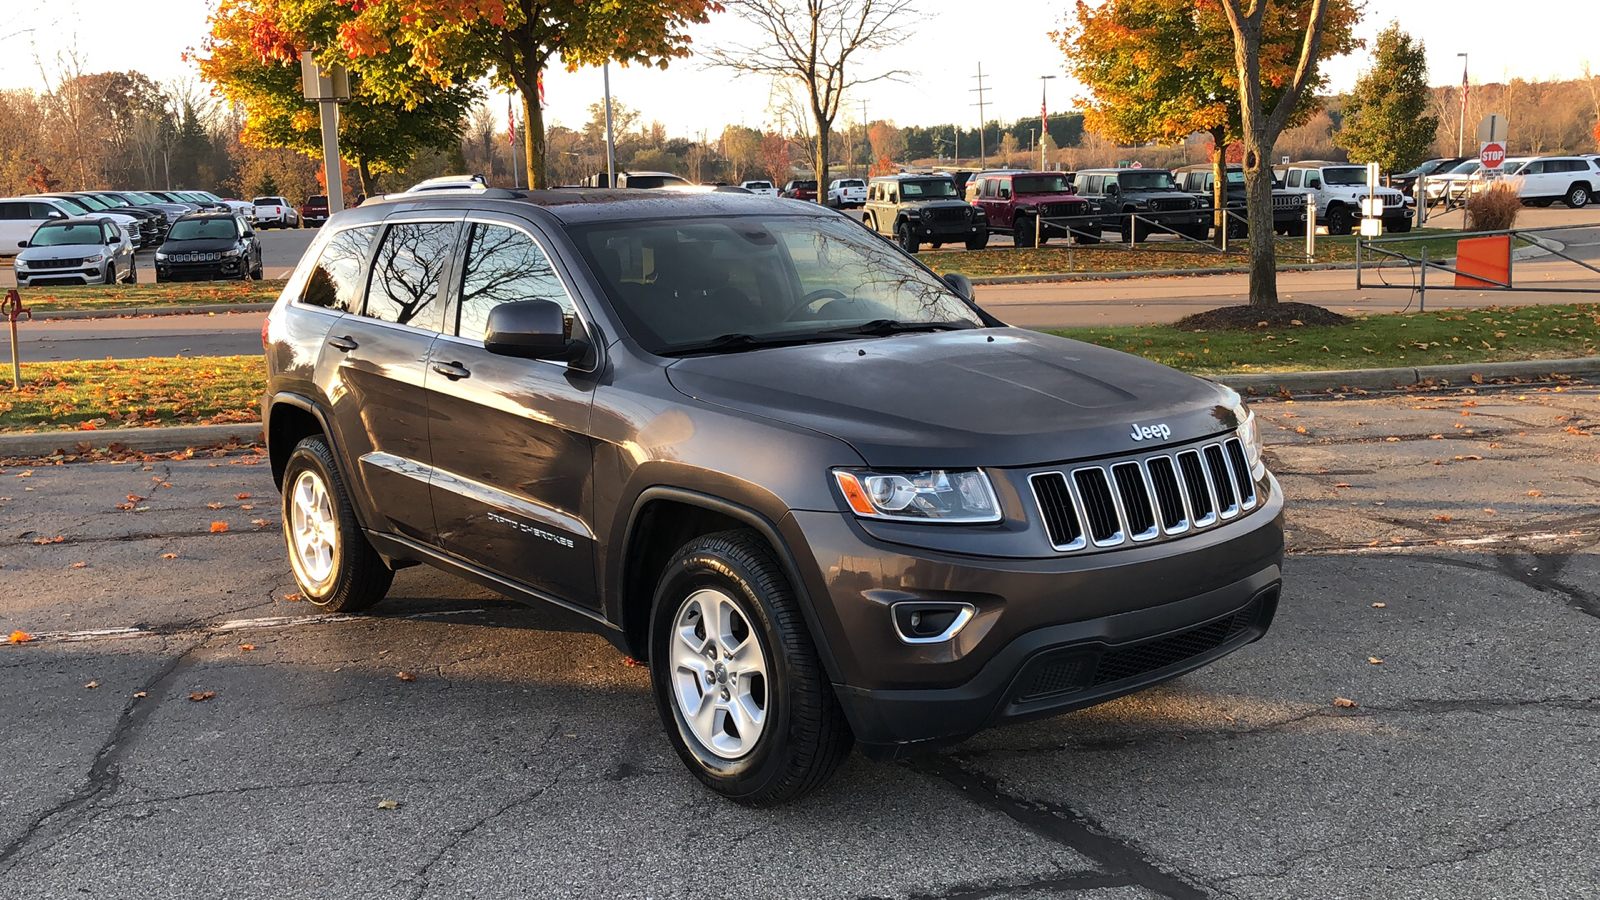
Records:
x=1492, y=154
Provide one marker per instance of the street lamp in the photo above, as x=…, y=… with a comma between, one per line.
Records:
x=1044, y=115
x=1461, y=129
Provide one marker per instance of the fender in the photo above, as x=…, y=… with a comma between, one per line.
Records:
x=302, y=402
x=762, y=524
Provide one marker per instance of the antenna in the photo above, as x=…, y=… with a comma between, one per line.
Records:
x=983, y=155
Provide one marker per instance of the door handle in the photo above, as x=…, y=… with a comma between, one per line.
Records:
x=452, y=370
x=342, y=344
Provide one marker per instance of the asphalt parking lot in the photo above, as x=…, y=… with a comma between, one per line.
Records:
x=181, y=728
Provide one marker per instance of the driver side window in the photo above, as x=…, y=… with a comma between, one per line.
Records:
x=503, y=265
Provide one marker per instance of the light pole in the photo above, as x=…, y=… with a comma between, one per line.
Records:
x=1461, y=129
x=1044, y=115
x=611, y=141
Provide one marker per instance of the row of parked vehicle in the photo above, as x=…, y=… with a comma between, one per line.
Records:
x=1538, y=180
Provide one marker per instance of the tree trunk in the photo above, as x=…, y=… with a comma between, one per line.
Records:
x=369, y=181
x=1219, y=186
x=1258, y=198
x=533, y=132
x=821, y=165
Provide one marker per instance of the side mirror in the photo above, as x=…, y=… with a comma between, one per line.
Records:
x=531, y=329
x=962, y=285
x=113, y=240
x=22, y=244
x=1112, y=190
x=55, y=214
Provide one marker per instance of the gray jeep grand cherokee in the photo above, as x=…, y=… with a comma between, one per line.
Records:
x=828, y=498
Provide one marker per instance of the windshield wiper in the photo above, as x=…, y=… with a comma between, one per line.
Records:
x=895, y=326
x=739, y=342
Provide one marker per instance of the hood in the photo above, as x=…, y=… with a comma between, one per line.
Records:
x=935, y=201
x=64, y=251
x=200, y=245
x=1048, y=198
x=984, y=397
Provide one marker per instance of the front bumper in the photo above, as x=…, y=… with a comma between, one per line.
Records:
x=947, y=231
x=1048, y=635
x=84, y=275
x=210, y=270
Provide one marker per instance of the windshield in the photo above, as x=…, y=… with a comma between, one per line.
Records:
x=112, y=201
x=70, y=233
x=1041, y=184
x=146, y=199
x=1235, y=177
x=933, y=187
x=1345, y=175
x=1155, y=180
x=77, y=209
x=203, y=230
x=1470, y=165
x=681, y=282
x=90, y=202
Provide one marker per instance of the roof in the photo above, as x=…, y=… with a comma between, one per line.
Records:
x=574, y=206
x=1115, y=171
x=911, y=176
x=80, y=220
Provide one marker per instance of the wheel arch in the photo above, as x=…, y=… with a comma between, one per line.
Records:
x=291, y=418
x=662, y=520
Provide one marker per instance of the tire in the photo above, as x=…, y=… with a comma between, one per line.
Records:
x=978, y=241
x=1401, y=226
x=1339, y=221
x=905, y=239
x=110, y=276
x=352, y=576
x=257, y=273
x=1080, y=237
x=1296, y=229
x=133, y=271
x=1022, y=234
x=801, y=736
x=1577, y=196
x=1200, y=233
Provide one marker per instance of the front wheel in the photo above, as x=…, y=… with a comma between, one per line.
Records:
x=978, y=241
x=908, y=241
x=1022, y=234
x=334, y=565
x=110, y=274
x=735, y=673
x=1339, y=221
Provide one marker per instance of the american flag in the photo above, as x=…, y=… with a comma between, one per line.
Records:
x=1464, y=89
x=511, y=121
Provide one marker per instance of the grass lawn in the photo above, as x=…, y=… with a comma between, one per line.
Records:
x=124, y=393
x=1055, y=259
x=1378, y=341
x=45, y=300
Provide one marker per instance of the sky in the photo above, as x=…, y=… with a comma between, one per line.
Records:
x=943, y=51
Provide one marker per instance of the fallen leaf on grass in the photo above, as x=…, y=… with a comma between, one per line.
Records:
x=1435, y=437
x=1379, y=605
x=405, y=676
x=388, y=804
x=217, y=527
x=199, y=696
x=1571, y=430
x=246, y=648
x=20, y=637
x=1344, y=703
x=1536, y=493
x=1300, y=429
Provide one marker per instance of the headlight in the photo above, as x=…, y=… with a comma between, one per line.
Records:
x=160, y=255
x=1250, y=437
x=937, y=495
x=229, y=254
x=20, y=264
x=98, y=257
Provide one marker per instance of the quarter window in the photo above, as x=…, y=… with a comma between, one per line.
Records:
x=503, y=265
x=406, y=273
x=335, y=283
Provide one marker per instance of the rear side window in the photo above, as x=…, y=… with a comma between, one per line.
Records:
x=407, y=271
x=335, y=283
x=504, y=264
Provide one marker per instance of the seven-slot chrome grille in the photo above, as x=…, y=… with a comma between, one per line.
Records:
x=1118, y=503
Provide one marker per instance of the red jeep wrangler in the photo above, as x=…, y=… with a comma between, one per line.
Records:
x=1016, y=202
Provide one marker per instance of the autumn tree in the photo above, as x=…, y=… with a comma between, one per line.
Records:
x=775, y=159
x=252, y=56
x=1386, y=117
x=742, y=147
x=510, y=42
x=812, y=47
x=1161, y=70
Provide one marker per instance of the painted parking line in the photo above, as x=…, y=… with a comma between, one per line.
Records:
x=266, y=622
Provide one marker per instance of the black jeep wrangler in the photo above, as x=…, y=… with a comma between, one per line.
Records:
x=1288, y=207
x=1137, y=203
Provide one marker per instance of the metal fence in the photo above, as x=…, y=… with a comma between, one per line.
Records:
x=1376, y=254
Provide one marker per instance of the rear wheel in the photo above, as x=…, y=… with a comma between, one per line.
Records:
x=736, y=677
x=1022, y=233
x=334, y=566
x=1578, y=196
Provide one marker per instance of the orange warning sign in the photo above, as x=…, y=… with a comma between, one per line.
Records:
x=1489, y=258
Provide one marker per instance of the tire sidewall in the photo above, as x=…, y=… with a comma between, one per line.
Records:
x=305, y=457
x=1578, y=197
x=748, y=774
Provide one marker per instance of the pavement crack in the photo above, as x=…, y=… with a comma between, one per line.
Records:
x=419, y=881
x=1066, y=881
x=1064, y=826
x=105, y=775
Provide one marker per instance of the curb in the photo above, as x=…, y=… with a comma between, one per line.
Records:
x=175, y=437
x=1150, y=273
x=1383, y=379
x=134, y=311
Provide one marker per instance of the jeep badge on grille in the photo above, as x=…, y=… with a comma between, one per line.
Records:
x=1149, y=432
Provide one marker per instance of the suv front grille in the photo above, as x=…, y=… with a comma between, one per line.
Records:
x=1288, y=201
x=72, y=263
x=1063, y=209
x=1171, y=204
x=950, y=214
x=1149, y=498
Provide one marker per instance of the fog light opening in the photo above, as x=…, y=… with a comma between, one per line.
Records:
x=930, y=623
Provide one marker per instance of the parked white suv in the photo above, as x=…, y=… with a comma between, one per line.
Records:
x=19, y=216
x=847, y=193
x=1340, y=188
x=1570, y=179
x=275, y=212
x=764, y=188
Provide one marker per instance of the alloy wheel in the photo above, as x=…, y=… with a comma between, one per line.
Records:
x=313, y=528
x=719, y=674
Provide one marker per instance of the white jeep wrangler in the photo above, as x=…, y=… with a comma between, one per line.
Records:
x=1340, y=188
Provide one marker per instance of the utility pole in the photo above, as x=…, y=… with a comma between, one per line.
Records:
x=866, y=138
x=1044, y=115
x=1461, y=129
x=328, y=88
x=983, y=153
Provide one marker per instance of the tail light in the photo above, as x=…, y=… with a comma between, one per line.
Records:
x=265, y=324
